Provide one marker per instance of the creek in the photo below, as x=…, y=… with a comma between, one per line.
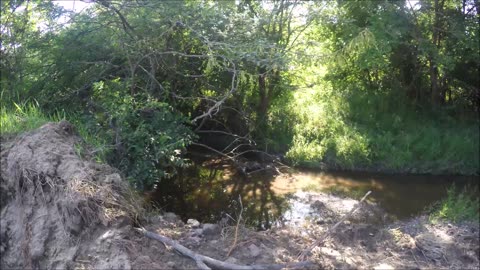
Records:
x=210, y=191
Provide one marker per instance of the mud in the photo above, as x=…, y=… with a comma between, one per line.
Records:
x=59, y=209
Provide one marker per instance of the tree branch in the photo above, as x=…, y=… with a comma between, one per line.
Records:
x=205, y=262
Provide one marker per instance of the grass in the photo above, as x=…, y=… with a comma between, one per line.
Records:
x=458, y=206
x=24, y=117
x=358, y=130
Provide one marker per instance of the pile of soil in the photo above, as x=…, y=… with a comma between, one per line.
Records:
x=55, y=206
x=59, y=209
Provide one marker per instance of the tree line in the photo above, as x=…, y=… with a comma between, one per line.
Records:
x=153, y=77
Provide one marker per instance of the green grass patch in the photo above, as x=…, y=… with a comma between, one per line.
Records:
x=458, y=206
x=19, y=118
x=23, y=117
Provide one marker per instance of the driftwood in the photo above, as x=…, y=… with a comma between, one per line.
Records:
x=207, y=263
x=304, y=253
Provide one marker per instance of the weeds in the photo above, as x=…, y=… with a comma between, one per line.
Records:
x=458, y=206
x=23, y=117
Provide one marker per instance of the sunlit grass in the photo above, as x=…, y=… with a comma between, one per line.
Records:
x=458, y=206
x=24, y=117
x=20, y=118
x=359, y=130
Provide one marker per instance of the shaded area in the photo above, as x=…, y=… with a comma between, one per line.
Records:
x=210, y=190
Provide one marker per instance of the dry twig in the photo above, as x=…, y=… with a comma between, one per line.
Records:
x=239, y=218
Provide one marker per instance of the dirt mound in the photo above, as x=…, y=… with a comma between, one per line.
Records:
x=55, y=206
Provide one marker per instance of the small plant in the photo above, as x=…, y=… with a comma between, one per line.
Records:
x=458, y=206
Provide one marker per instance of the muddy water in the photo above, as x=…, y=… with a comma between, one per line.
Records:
x=209, y=193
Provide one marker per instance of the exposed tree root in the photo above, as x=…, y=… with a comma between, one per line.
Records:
x=205, y=262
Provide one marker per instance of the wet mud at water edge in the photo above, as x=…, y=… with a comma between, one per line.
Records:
x=209, y=192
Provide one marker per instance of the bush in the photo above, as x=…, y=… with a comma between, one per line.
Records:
x=147, y=137
x=360, y=129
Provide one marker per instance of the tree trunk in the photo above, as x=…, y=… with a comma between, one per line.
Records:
x=435, y=89
x=263, y=95
x=436, y=97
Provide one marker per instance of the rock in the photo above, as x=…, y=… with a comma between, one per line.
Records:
x=197, y=232
x=318, y=205
x=231, y=260
x=193, y=223
x=170, y=264
x=170, y=217
x=193, y=241
x=210, y=229
x=254, y=250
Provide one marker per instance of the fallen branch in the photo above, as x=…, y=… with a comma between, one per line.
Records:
x=207, y=263
x=304, y=253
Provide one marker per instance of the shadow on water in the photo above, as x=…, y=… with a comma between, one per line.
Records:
x=209, y=191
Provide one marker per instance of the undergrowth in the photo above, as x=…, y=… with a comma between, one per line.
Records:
x=458, y=206
x=360, y=130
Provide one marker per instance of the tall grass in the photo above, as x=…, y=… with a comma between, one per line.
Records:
x=458, y=206
x=373, y=131
x=18, y=118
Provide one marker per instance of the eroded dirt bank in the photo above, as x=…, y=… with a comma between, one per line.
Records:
x=60, y=210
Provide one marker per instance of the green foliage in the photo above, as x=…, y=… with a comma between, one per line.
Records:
x=147, y=136
x=458, y=206
x=345, y=83
x=341, y=131
x=23, y=117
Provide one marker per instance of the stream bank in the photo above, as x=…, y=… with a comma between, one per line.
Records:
x=60, y=209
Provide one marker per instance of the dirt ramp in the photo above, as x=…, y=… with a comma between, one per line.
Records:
x=55, y=206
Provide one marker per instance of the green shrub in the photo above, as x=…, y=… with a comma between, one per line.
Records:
x=360, y=129
x=147, y=137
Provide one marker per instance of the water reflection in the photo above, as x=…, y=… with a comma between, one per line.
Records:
x=209, y=191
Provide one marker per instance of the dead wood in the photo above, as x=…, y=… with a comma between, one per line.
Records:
x=205, y=262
